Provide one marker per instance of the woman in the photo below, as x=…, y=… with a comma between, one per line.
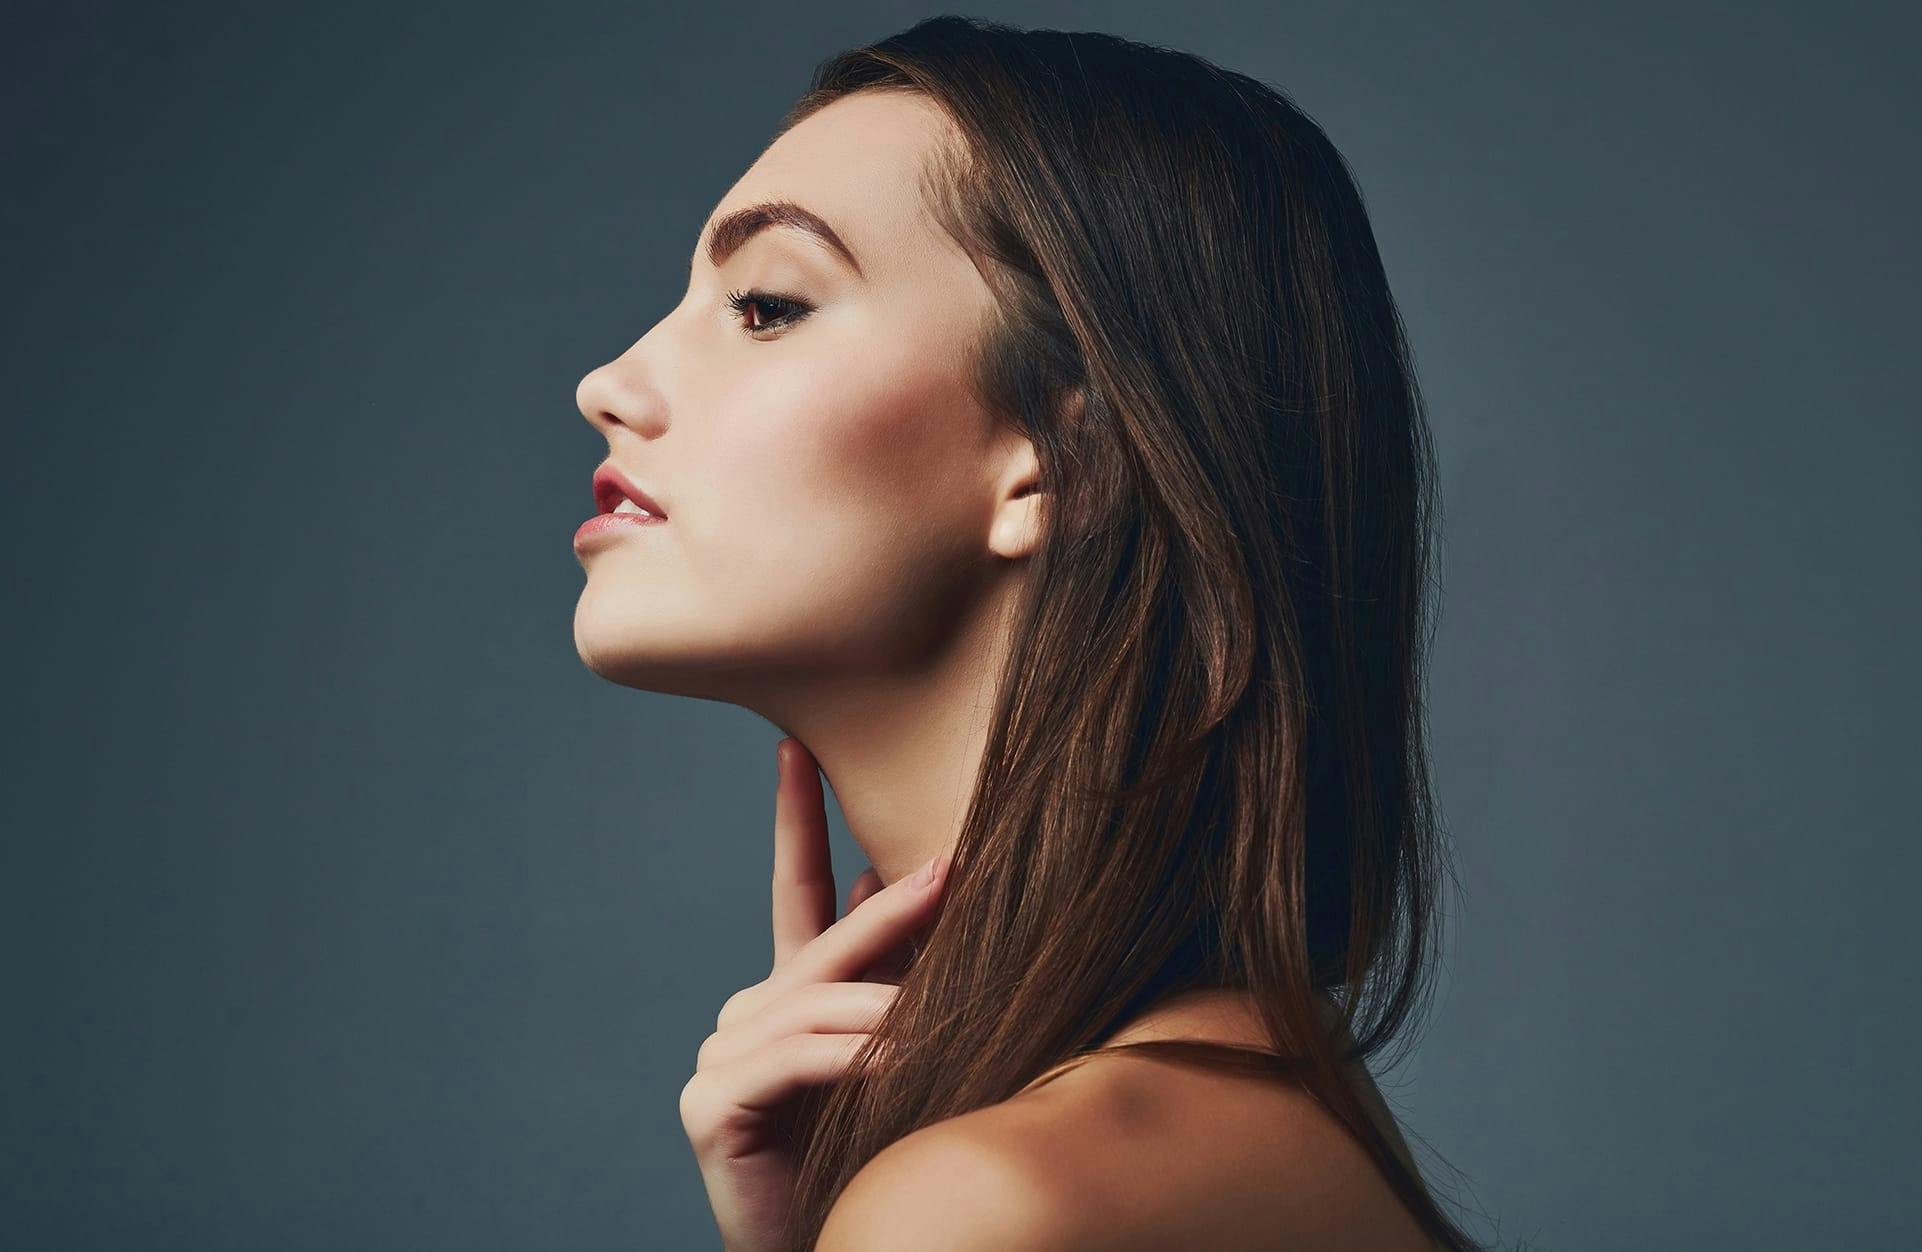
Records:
x=1037, y=446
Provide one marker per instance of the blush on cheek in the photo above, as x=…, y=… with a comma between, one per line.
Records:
x=860, y=447
x=920, y=431
x=801, y=446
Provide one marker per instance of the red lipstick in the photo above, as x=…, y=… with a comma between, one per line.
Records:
x=612, y=490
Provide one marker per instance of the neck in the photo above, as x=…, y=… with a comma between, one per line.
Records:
x=901, y=747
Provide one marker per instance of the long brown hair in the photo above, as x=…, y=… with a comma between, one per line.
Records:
x=1207, y=764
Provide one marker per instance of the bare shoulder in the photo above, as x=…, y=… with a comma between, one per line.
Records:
x=958, y=1186
x=1130, y=1152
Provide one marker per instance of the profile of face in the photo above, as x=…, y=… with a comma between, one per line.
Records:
x=837, y=501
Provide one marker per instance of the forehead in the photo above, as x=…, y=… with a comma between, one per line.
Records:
x=858, y=163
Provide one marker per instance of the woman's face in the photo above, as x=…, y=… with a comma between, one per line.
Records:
x=829, y=483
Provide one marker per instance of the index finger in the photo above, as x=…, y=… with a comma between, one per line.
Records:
x=803, y=889
x=893, y=915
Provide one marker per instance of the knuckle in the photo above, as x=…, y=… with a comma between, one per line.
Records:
x=738, y=1005
x=693, y=1102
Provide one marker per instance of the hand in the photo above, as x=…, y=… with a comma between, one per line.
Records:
x=801, y=1025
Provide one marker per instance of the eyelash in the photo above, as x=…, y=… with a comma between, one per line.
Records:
x=795, y=309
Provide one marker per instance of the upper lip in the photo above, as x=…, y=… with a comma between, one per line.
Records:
x=611, y=486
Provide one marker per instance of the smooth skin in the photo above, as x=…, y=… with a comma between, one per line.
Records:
x=846, y=531
x=846, y=524
x=1123, y=1153
x=1114, y=1153
x=803, y=1024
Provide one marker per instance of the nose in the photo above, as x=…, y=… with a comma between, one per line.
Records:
x=615, y=394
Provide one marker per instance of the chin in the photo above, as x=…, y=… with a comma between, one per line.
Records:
x=626, y=643
x=634, y=644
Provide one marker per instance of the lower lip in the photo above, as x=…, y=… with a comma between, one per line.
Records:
x=607, y=525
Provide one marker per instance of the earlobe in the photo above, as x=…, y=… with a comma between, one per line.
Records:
x=1017, y=525
x=1018, y=512
x=1021, y=511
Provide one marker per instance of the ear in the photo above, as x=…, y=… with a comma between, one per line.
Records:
x=1015, y=530
x=1021, y=494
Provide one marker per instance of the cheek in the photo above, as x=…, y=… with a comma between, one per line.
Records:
x=838, y=495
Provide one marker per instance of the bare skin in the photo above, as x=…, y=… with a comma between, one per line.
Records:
x=1148, y=1153
x=1154, y=1154
x=845, y=523
x=803, y=1024
x=1119, y=1152
x=846, y=529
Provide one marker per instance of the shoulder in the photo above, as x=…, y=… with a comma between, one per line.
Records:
x=963, y=1185
x=1124, y=1151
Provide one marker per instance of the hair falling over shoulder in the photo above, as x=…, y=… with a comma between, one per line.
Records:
x=1207, y=766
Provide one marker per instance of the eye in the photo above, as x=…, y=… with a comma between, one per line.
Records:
x=786, y=309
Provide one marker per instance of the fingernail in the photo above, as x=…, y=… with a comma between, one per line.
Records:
x=931, y=871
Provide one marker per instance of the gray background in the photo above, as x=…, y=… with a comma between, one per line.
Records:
x=345, y=908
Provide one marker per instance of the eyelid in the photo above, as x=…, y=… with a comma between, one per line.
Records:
x=796, y=308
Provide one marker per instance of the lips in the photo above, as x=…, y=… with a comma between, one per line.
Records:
x=611, y=487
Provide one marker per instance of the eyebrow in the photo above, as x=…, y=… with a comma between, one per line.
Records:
x=731, y=232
